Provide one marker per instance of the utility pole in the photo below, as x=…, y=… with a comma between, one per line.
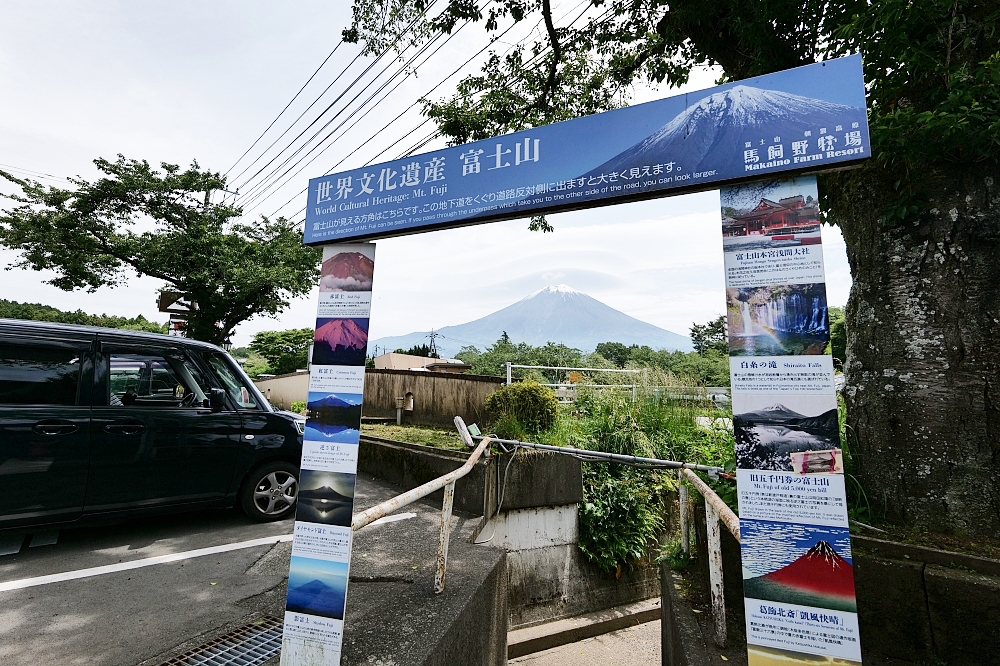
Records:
x=433, y=349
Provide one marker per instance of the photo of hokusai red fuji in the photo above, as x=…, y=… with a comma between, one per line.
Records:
x=348, y=270
x=797, y=564
x=340, y=342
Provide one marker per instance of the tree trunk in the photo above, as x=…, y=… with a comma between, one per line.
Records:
x=922, y=376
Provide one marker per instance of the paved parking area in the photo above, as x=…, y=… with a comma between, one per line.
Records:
x=136, y=615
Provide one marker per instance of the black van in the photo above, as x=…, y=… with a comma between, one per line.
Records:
x=99, y=422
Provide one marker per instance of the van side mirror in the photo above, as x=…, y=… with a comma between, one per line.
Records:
x=216, y=399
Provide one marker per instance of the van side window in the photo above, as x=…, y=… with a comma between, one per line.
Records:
x=31, y=375
x=232, y=382
x=149, y=380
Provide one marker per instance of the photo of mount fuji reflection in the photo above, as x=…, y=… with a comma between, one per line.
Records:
x=778, y=320
x=340, y=342
x=797, y=564
x=317, y=587
x=333, y=417
x=769, y=428
x=326, y=497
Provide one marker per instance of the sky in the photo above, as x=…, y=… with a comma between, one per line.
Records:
x=201, y=81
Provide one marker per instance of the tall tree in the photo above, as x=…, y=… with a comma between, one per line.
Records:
x=920, y=218
x=285, y=351
x=162, y=224
x=711, y=336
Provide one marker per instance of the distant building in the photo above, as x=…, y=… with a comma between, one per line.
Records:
x=792, y=215
x=394, y=361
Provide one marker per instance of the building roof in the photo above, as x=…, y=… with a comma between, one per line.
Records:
x=394, y=361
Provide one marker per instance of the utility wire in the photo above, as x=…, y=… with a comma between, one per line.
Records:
x=321, y=65
x=391, y=122
x=428, y=138
x=331, y=105
x=272, y=179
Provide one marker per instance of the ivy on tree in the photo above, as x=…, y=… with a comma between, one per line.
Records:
x=160, y=223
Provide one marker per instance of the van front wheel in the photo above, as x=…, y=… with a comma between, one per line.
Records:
x=270, y=492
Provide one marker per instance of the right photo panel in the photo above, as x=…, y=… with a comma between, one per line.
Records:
x=798, y=575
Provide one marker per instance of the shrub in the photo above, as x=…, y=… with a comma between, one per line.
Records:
x=619, y=518
x=526, y=406
x=298, y=406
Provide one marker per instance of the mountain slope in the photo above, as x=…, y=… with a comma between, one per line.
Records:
x=712, y=131
x=553, y=314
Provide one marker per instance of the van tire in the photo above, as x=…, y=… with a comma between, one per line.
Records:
x=270, y=492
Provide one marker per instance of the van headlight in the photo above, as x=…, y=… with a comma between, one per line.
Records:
x=300, y=426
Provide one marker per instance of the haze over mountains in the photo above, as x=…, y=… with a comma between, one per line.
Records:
x=556, y=313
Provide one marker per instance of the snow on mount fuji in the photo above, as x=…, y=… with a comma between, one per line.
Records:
x=714, y=130
x=556, y=313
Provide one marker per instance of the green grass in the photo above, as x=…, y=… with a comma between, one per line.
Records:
x=439, y=438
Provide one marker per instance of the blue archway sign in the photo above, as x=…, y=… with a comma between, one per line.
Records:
x=801, y=120
x=758, y=141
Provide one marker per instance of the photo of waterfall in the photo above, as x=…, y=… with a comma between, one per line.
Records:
x=778, y=320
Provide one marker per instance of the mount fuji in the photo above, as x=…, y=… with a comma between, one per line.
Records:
x=556, y=313
x=715, y=129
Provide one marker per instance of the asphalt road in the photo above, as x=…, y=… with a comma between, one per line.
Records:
x=141, y=615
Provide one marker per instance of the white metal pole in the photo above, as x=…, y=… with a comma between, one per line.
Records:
x=508, y=373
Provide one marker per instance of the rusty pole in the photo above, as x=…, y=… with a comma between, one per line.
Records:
x=683, y=511
x=715, y=573
x=442, y=560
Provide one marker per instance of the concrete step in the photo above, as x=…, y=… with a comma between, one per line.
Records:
x=570, y=630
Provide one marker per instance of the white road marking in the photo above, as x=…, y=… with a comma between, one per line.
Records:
x=391, y=519
x=138, y=564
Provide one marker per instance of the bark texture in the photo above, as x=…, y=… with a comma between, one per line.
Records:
x=922, y=376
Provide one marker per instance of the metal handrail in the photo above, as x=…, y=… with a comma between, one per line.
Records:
x=447, y=482
x=716, y=511
x=601, y=456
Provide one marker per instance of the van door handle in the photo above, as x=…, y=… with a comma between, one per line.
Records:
x=54, y=427
x=124, y=428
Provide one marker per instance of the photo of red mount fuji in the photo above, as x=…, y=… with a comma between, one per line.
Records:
x=821, y=576
x=347, y=271
x=340, y=342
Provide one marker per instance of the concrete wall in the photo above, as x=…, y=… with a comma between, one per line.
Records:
x=437, y=396
x=283, y=390
x=536, y=524
x=916, y=604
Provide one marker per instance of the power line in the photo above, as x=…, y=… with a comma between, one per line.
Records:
x=308, y=81
x=271, y=179
x=391, y=122
x=330, y=106
x=36, y=174
x=388, y=124
x=428, y=138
